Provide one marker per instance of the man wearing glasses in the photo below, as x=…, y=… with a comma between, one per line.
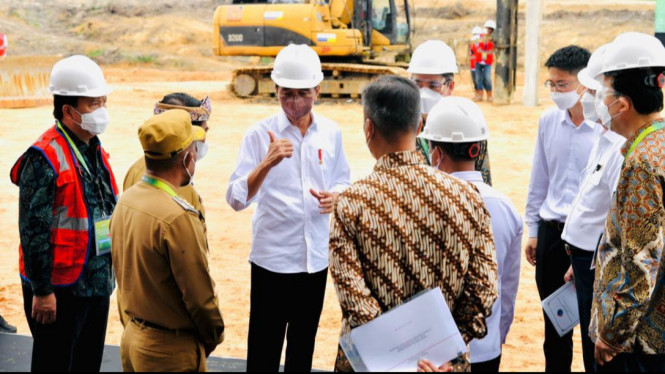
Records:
x=433, y=67
x=562, y=150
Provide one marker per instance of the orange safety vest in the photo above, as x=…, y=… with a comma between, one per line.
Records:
x=485, y=54
x=72, y=228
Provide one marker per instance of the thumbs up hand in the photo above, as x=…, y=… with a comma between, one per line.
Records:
x=278, y=150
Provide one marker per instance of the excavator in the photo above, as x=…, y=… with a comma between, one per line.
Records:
x=357, y=40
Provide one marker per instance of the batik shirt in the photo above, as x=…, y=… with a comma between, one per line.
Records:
x=628, y=310
x=407, y=228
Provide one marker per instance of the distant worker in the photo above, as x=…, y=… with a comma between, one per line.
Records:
x=67, y=193
x=586, y=221
x=628, y=310
x=563, y=144
x=484, y=61
x=160, y=257
x=3, y=45
x=382, y=250
x=455, y=128
x=474, y=44
x=433, y=68
x=199, y=112
x=293, y=165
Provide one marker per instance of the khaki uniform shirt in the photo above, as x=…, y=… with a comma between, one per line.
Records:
x=135, y=173
x=160, y=250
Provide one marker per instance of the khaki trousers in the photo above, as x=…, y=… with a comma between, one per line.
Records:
x=147, y=349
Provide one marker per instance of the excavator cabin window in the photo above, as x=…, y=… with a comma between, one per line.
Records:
x=381, y=17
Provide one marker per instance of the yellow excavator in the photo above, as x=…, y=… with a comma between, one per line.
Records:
x=357, y=40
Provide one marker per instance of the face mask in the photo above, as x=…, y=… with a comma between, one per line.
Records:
x=370, y=138
x=589, y=107
x=297, y=106
x=94, y=122
x=191, y=175
x=431, y=156
x=201, y=150
x=428, y=99
x=565, y=100
x=604, y=111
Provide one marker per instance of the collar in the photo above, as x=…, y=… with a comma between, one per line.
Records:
x=283, y=122
x=80, y=144
x=613, y=137
x=397, y=159
x=637, y=133
x=469, y=176
x=174, y=188
x=565, y=119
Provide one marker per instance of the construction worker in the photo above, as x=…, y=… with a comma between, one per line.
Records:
x=433, y=67
x=586, y=221
x=627, y=315
x=160, y=256
x=474, y=44
x=455, y=127
x=406, y=227
x=563, y=145
x=199, y=112
x=3, y=45
x=484, y=61
x=293, y=166
x=67, y=193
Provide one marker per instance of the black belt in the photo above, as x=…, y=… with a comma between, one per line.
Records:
x=554, y=224
x=571, y=249
x=143, y=323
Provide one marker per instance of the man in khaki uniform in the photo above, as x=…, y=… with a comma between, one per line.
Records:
x=159, y=252
x=199, y=112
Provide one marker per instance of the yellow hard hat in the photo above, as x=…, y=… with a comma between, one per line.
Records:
x=167, y=134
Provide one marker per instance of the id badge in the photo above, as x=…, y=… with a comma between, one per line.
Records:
x=102, y=236
x=484, y=56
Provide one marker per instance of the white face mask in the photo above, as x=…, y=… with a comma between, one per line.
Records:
x=604, y=110
x=589, y=107
x=94, y=122
x=565, y=100
x=201, y=150
x=430, y=156
x=428, y=99
x=191, y=175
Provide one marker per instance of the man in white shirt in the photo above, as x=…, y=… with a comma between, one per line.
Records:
x=586, y=221
x=455, y=128
x=562, y=150
x=293, y=165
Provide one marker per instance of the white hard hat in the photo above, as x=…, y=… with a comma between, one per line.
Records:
x=433, y=57
x=455, y=120
x=632, y=50
x=297, y=66
x=490, y=24
x=78, y=76
x=477, y=30
x=587, y=76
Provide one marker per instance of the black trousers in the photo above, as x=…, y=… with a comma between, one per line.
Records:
x=581, y=262
x=634, y=363
x=552, y=262
x=491, y=366
x=75, y=341
x=279, y=304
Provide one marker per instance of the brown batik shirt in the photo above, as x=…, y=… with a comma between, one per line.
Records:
x=406, y=228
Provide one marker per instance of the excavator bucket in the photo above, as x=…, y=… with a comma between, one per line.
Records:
x=24, y=80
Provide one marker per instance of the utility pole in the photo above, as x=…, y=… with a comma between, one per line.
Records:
x=660, y=21
x=506, y=50
x=534, y=15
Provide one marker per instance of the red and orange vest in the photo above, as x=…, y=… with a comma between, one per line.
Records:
x=72, y=227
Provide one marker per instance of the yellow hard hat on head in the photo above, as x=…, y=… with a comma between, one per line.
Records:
x=167, y=134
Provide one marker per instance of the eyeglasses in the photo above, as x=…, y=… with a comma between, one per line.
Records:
x=602, y=94
x=560, y=86
x=434, y=85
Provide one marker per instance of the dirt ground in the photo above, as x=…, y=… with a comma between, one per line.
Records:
x=142, y=68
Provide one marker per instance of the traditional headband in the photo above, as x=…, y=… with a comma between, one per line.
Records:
x=199, y=114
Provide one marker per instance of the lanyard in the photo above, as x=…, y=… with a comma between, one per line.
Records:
x=74, y=148
x=159, y=184
x=643, y=134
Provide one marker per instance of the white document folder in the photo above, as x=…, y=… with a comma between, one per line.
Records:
x=561, y=308
x=422, y=328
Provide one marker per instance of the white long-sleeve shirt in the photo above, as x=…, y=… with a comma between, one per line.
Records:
x=289, y=234
x=586, y=221
x=507, y=231
x=561, y=154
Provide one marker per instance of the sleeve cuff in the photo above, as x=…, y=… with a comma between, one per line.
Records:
x=339, y=188
x=533, y=230
x=41, y=289
x=239, y=191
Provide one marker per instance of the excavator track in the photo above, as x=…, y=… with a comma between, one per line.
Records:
x=340, y=79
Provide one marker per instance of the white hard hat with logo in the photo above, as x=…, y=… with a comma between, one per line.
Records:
x=491, y=24
x=633, y=50
x=455, y=120
x=587, y=76
x=433, y=57
x=78, y=76
x=297, y=66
